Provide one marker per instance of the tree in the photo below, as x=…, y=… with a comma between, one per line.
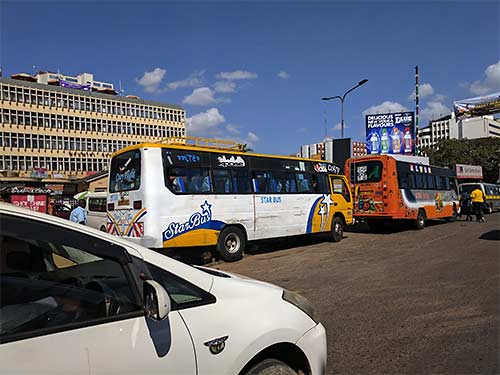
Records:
x=481, y=151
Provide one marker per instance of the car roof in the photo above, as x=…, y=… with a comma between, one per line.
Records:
x=190, y=273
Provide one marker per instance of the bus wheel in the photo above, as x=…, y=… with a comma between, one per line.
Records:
x=420, y=221
x=102, y=228
x=231, y=244
x=337, y=229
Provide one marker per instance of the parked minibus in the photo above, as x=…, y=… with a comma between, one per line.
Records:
x=388, y=189
x=164, y=195
x=96, y=209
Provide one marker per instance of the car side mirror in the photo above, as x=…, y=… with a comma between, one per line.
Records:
x=156, y=300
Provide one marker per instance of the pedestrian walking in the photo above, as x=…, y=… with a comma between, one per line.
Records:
x=466, y=206
x=477, y=197
x=79, y=213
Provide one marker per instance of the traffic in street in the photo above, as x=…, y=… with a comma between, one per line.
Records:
x=399, y=301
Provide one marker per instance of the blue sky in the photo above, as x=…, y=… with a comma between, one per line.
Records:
x=255, y=71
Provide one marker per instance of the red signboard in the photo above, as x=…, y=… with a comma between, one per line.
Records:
x=35, y=202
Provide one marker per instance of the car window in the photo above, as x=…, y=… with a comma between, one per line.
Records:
x=48, y=283
x=182, y=293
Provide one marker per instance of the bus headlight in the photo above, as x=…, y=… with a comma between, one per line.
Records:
x=300, y=302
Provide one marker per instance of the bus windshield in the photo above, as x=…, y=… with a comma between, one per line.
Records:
x=366, y=171
x=125, y=172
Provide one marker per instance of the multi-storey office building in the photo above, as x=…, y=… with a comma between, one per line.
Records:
x=448, y=127
x=48, y=131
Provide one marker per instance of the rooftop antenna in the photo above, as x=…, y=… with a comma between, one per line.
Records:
x=120, y=87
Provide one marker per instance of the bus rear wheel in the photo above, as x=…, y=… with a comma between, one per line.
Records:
x=420, y=221
x=337, y=229
x=231, y=244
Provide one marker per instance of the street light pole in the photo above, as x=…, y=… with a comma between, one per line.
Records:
x=342, y=98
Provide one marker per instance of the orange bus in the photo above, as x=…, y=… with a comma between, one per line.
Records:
x=387, y=189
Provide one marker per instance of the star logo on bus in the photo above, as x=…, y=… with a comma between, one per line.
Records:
x=327, y=200
x=206, y=207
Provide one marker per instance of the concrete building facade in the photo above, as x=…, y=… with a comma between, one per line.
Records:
x=448, y=127
x=50, y=132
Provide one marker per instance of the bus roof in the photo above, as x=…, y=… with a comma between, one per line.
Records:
x=399, y=160
x=211, y=150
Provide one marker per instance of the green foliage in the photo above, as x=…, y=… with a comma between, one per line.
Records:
x=481, y=151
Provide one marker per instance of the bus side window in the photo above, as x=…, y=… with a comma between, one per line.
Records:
x=430, y=182
x=412, y=181
x=241, y=181
x=447, y=183
x=419, y=183
x=403, y=181
x=339, y=187
x=438, y=181
x=290, y=184
x=304, y=183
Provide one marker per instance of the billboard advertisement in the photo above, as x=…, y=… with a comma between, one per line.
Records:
x=479, y=106
x=469, y=171
x=390, y=133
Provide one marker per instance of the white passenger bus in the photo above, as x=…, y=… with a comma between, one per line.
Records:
x=165, y=196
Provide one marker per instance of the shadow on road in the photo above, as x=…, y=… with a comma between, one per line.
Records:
x=492, y=235
x=202, y=255
x=389, y=227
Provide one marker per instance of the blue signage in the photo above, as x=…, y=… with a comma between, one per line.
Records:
x=390, y=133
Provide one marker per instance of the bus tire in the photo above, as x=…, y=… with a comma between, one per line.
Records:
x=231, y=244
x=420, y=221
x=102, y=228
x=337, y=229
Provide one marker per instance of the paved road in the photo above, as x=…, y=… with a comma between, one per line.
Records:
x=405, y=301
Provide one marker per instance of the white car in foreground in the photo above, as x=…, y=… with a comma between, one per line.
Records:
x=78, y=301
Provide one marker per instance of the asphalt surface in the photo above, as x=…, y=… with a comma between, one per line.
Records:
x=398, y=302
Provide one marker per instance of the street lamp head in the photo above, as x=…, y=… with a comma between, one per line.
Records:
x=362, y=82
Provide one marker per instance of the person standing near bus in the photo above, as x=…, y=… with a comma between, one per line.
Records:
x=477, y=197
x=79, y=213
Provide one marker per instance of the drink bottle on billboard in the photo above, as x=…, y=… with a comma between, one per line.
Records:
x=384, y=142
x=407, y=141
x=396, y=142
x=374, y=144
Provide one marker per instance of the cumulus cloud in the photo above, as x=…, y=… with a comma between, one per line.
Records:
x=425, y=89
x=200, y=96
x=195, y=79
x=151, y=81
x=283, y=74
x=490, y=84
x=433, y=110
x=205, y=123
x=252, y=138
x=385, y=107
x=233, y=129
x=236, y=75
x=338, y=126
x=225, y=86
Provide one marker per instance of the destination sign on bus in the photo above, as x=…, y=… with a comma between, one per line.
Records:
x=390, y=133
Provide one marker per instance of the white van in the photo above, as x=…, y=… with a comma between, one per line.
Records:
x=74, y=300
x=96, y=209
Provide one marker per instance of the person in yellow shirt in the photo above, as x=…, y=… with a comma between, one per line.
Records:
x=477, y=197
